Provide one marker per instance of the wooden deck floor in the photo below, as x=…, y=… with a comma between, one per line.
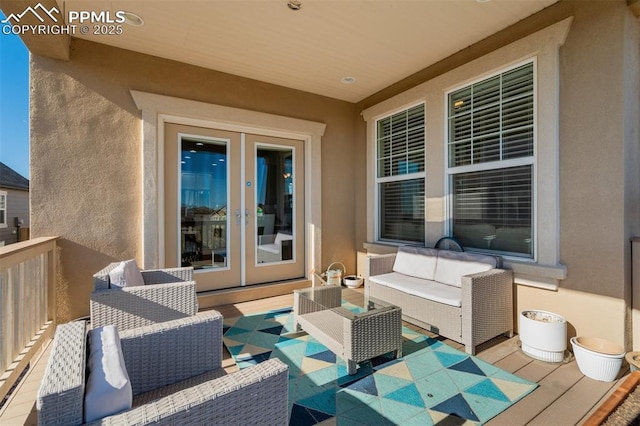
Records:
x=565, y=396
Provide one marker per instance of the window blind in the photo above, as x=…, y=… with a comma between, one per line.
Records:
x=492, y=120
x=494, y=209
x=400, y=142
x=402, y=210
x=400, y=155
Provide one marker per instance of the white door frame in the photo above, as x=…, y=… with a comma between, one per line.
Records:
x=159, y=109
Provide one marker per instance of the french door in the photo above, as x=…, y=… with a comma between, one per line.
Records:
x=234, y=206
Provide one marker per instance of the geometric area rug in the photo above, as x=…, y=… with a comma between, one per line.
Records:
x=432, y=383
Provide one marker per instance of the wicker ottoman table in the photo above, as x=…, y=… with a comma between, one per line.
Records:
x=355, y=337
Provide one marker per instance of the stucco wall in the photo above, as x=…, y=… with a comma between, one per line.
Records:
x=632, y=165
x=598, y=145
x=592, y=151
x=599, y=148
x=86, y=153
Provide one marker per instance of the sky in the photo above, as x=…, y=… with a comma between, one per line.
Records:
x=14, y=103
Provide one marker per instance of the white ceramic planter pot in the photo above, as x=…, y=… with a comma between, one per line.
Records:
x=633, y=358
x=353, y=281
x=598, y=358
x=543, y=335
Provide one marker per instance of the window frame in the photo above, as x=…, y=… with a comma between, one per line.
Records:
x=4, y=224
x=397, y=178
x=450, y=172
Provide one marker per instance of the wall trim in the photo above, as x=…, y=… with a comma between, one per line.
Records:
x=159, y=109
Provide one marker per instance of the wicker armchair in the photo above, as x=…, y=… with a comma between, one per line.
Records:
x=168, y=294
x=176, y=376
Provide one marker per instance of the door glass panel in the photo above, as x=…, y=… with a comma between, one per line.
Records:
x=274, y=192
x=203, y=204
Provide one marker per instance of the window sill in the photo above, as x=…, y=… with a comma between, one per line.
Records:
x=381, y=248
x=531, y=274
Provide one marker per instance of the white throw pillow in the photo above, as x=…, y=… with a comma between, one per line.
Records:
x=452, y=266
x=108, y=389
x=419, y=262
x=126, y=274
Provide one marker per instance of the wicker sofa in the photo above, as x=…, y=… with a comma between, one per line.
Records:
x=176, y=378
x=462, y=296
x=168, y=294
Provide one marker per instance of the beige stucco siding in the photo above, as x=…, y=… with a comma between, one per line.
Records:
x=86, y=160
x=632, y=166
x=592, y=151
x=598, y=146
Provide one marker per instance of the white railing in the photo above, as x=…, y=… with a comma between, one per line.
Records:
x=27, y=304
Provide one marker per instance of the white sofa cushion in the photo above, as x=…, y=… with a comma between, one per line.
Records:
x=280, y=237
x=108, y=389
x=271, y=248
x=419, y=262
x=452, y=266
x=427, y=289
x=126, y=274
x=276, y=245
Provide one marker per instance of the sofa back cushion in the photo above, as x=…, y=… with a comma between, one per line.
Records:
x=108, y=389
x=452, y=266
x=280, y=237
x=419, y=262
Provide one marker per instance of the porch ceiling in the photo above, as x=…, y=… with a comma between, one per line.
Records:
x=378, y=42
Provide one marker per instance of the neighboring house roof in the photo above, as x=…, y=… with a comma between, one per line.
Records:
x=11, y=179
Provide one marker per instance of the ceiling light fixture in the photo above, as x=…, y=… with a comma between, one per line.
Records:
x=294, y=4
x=199, y=143
x=348, y=80
x=132, y=19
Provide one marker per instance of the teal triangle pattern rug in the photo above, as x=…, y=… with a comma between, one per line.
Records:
x=430, y=384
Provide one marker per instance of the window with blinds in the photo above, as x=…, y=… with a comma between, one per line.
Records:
x=3, y=208
x=490, y=162
x=492, y=120
x=400, y=175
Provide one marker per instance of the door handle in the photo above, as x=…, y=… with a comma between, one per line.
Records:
x=238, y=216
x=246, y=216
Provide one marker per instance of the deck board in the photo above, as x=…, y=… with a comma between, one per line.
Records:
x=554, y=381
x=536, y=371
x=500, y=351
x=569, y=407
x=21, y=406
x=513, y=362
x=564, y=397
x=604, y=397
